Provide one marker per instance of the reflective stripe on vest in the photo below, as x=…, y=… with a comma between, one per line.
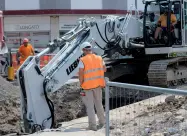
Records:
x=93, y=78
x=92, y=70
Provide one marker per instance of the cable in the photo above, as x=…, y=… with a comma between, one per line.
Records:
x=105, y=32
x=49, y=103
x=117, y=40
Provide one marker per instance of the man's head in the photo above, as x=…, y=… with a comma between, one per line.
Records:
x=25, y=41
x=86, y=48
x=165, y=11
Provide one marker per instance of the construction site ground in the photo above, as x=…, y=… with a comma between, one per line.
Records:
x=161, y=115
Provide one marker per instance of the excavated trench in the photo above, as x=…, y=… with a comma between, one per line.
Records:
x=129, y=96
x=67, y=102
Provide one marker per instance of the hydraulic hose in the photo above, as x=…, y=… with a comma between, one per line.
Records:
x=105, y=32
x=100, y=33
x=49, y=103
x=117, y=40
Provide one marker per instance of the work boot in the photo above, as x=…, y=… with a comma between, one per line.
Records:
x=94, y=128
x=100, y=126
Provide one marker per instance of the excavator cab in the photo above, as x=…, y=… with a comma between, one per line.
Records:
x=168, y=36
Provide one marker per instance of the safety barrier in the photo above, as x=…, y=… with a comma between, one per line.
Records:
x=14, y=62
x=135, y=110
x=43, y=61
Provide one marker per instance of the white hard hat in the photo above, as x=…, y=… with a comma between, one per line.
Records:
x=86, y=45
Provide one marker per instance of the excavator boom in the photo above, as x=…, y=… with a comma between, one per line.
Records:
x=35, y=83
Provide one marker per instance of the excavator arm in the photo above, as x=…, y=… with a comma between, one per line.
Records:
x=37, y=109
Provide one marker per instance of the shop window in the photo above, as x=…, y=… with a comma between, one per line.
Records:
x=25, y=34
x=13, y=40
x=40, y=39
x=37, y=39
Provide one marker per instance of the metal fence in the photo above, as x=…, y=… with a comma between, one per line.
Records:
x=136, y=110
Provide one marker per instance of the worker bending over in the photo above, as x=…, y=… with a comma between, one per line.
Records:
x=25, y=51
x=91, y=76
x=163, y=23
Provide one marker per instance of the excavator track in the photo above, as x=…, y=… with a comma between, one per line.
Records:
x=168, y=72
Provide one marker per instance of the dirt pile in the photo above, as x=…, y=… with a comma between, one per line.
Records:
x=167, y=118
x=67, y=102
x=171, y=104
x=9, y=107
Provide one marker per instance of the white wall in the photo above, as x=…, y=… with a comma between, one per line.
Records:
x=21, y=4
x=140, y=5
x=129, y=3
x=86, y=4
x=54, y=27
x=13, y=23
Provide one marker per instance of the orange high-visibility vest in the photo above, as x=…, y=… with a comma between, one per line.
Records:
x=25, y=51
x=93, y=72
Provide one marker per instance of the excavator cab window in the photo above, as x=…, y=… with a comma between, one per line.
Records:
x=162, y=34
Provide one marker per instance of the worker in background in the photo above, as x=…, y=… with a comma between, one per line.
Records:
x=91, y=77
x=25, y=50
x=163, y=23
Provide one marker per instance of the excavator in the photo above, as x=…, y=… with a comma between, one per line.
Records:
x=125, y=42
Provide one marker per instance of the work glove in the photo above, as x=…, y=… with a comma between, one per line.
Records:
x=82, y=92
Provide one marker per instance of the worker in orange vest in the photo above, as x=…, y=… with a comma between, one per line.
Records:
x=91, y=77
x=25, y=50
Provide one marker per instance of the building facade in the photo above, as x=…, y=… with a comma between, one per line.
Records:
x=43, y=20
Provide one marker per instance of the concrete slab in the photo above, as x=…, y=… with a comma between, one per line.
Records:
x=76, y=132
x=74, y=80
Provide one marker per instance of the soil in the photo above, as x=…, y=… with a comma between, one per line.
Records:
x=9, y=107
x=67, y=102
x=166, y=118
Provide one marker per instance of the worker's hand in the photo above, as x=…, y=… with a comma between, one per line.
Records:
x=82, y=92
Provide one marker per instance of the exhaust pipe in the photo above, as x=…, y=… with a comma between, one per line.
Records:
x=135, y=45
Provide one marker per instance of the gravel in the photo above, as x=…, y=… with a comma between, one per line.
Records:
x=164, y=119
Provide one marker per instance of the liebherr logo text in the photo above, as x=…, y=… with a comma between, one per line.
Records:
x=73, y=66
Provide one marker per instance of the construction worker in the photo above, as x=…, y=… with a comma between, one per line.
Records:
x=162, y=22
x=91, y=77
x=25, y=50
